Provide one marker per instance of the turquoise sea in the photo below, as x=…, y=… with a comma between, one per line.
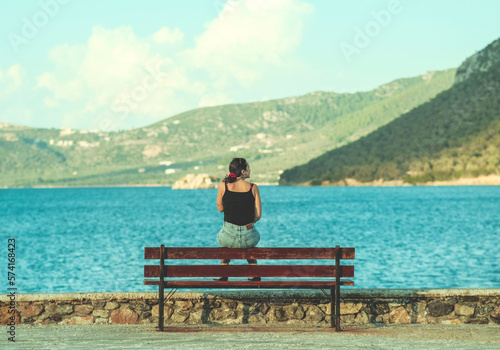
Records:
x=93, y=239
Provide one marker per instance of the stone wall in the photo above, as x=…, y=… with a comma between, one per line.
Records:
x=358, y=306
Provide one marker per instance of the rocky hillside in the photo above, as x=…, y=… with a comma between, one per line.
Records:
x=482, y=61
x=455, y=135
x=272, y=135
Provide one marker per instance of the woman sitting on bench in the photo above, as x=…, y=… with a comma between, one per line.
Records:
x=240, y=202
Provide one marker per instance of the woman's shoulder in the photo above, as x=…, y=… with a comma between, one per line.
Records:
x=222, y=186
x=254, y=187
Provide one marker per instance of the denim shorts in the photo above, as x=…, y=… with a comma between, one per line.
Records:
x=234, y=236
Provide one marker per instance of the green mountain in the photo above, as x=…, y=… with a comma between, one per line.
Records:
x=272, y=135
x=455, y=135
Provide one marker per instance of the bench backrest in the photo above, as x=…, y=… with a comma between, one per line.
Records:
x=176, y=253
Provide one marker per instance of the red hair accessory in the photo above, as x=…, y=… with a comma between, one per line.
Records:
x=232, y=175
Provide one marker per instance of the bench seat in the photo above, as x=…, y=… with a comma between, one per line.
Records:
x=249, y=284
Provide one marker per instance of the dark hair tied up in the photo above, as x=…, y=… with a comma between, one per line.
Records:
x=236, y=166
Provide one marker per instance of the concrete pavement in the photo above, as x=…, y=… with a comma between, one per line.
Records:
x=245, y=337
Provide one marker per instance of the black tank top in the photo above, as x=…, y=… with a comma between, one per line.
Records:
x=239, y=207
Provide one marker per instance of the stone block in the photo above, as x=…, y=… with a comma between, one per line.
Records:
x=421, y=319
x=278, y=314
x=123, y=316
x=326, y=308
x=196, y=317
x=216, y=315
x=145, y=314
x=31, y=310
x=256, y=319
x=47, y=320
x=439, y=308
x=259, y=308
x=464, y=309
x=184, y=304
x=125, y=306
x=454, y=321
x=469, y=299
x=236, y=320
x=479, y=320
x=431, y=320
x=97, y=304
x=420, y=307
x=111, y=305
x=314, y=315
x=294, y=312
x=55, y=318
x=83, y=309
x=362, y=318
x=177, y=317
x=50, y=308
x=464, y=319
x=495, y=315
x=26, y=320
x=380, y=308
x=167, y=311
x=64, y=309
x=227, y=305
x=382, y=318
x=347, y=319
x=141, y=307
x=78, y=320
x=446, y=319
x=101, y=313
x=6, y=315
x=400, y=316
x=155, y=310
x=350, y=308
x=213, y=304
x=239, y=307
x=484, y=309
x=101, y=321
x=393, y=305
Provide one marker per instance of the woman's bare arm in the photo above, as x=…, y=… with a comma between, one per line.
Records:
x=258, y=204
x=220, y=193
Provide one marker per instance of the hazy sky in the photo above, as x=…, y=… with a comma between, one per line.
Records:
x=113, y=64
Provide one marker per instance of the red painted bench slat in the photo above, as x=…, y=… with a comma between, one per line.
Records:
x=250, y=284
x=248, y=271
x=253, y=253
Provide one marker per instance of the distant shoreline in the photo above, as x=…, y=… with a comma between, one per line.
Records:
x=483, y=180
x=127, y=185
x=489, y=180
x=88, y=186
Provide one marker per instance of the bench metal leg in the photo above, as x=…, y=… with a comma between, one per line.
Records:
x=162, y=289
x=338, y=273
x=160, y=309
x=332, y=307
x=337, y=309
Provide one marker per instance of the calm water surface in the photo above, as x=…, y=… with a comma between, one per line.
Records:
x=93, y=239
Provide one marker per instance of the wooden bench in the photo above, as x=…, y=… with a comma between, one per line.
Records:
x=163, y=275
